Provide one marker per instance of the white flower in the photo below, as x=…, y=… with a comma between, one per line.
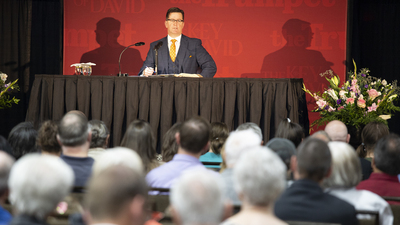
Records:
x=384, y=82
x=392, y=97
x=361, y=96
x=3, y=77
x=352, y=94
x=332, y=93
x=385, y=117
x=342, y=94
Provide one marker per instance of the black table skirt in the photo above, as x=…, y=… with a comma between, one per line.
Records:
x=163, y=101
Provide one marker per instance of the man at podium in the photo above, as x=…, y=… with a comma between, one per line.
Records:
x=178, y=53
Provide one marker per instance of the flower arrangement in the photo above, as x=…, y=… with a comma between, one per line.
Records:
x=5, y=100
x=358, y=101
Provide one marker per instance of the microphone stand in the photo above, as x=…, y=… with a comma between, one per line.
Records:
x=156, y=61
x=119, y=60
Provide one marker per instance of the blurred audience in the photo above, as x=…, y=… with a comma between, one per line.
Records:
x=22, y=139
x=100, y=137
x=386, y=166
x=370, y=135
x=140, y=138
x=116, y=195
x=37, y=184
x=218, y=135
x=259, y=179
x=74, y=136
x=305, y=200
x=291, y=131
x=345, y=176
x=237, y=143
x=251, y=126
x=322, y=135
x=197, y=198
x=169, y=147
x=47, y=138
x=285, y=149
x=193, y=140
x=6, y=162
x=5, y=146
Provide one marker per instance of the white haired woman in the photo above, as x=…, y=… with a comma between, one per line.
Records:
x=259, y=179
x=345, y=175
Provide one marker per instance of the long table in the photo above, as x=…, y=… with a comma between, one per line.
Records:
x=162, y=101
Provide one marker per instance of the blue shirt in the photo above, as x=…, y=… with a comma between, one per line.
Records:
x=82, y=168
x=164, y=176
x=5, y=216
x=211, y=157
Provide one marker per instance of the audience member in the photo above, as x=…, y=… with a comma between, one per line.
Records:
x=22, y=139
x=74, y=137
x=218, y=135
x=47, y=138
x=100, y=137
x=140, y=138
x=197, y=198
x=305, y=200
x=38, y=183
x=251, y=126
x=370, y=135
x=118, y=156
x=291, y=131
x=169, y=147
x=193, y=141
x=259, y=179
x=285, y=149
x=116, y=195
x=386, y=165
x=337, y=131
x=237, y=143
x=322, y=135
x=6, y=162
x=345, y=176
x=5, y=146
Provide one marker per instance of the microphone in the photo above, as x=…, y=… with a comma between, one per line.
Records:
x=158, y=45
x=119, y=60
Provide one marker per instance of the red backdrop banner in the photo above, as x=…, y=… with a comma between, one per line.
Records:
x=246, y=38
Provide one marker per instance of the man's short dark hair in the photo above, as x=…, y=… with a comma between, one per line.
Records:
x=313, y=159
x=175, y=10
x=387, y=154
x=73, y=129
x=121, y=184
x=194, y=134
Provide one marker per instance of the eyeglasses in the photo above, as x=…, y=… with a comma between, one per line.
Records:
x=174, y=21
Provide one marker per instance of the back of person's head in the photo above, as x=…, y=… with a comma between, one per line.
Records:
x=22, y=139
x=140, y=138
x=346, y=167
x=113, y=191
x=259, y=176
x=197, y=198
x=337, y=131
x=370, y=135
x=291, y=131
x=38, y=183
x=313, y=159
x=284, y=148
x=218, y=135
x=100, y=134
x=73, y=129
x=6, y=162
x=5, y=146
x=118, y=156
x=169, y=147
x=47, y=138
x=237, y=143
x=254, y=127
x=322, y=135
x=387, y=154
x=194, y=135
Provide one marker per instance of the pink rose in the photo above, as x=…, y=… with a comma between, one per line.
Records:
x=373, y=93
x=350, y=101
x=339, y=108
x=361, y=103
x=372, y=108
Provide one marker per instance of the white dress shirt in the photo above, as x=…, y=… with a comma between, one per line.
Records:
x=365, y=200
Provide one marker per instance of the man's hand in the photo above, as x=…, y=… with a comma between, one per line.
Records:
x=148, y=71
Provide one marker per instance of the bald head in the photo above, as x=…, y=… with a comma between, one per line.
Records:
x=337, y=131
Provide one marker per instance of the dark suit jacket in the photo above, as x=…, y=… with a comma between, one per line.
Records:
x=306, y=201
x=191, y=57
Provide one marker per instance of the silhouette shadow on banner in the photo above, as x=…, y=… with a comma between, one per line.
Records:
x=294, y=60
x=107, y=55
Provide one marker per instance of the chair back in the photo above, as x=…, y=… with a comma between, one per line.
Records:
x=309, y=223
x=367, y=217
x=395, y=206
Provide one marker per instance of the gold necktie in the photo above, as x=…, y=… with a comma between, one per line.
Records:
x=172, y=50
